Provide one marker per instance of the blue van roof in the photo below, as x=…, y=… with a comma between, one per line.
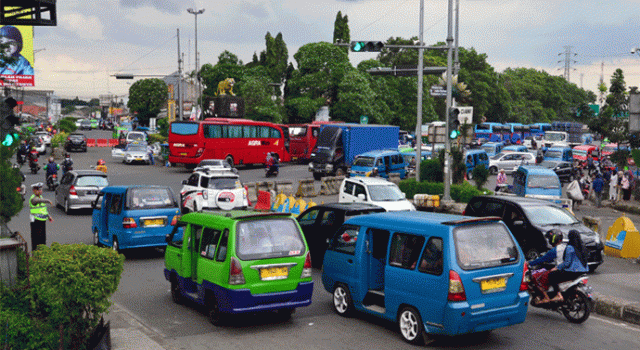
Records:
x=538, y=170
x=378, y=152
x=474, y=151
x=558, y=148
x=415, y=221
x=514, y=147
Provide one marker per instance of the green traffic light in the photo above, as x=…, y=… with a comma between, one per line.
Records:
x=454, y=134
x=358, y=46
x=9, y=139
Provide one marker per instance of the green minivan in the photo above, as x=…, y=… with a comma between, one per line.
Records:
x=239, y=262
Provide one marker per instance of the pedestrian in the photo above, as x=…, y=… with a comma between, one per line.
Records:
x=574, y=192
x=613, y=187
x=38, y=216
x=598, y=184
x=626, y=187
x=501, y=180
x=150, y=153
x=539, y=157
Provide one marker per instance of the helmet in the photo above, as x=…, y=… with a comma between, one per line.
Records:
x=554, y=236
x=101, y=162
x=67, y=155
x=50, y=159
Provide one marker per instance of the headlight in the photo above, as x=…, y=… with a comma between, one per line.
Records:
x=310, y=166
x=329, y=167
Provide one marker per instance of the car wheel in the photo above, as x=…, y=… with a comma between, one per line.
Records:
x=285, y=314
x=176, y=295
x=96, y=238
x=532, y=254
x=115, y=246
x=67, y=208
x=410, y=324
x=493, y=170
x=216, y=317
x=229, y=160
x=317, y=176
x=342, y=302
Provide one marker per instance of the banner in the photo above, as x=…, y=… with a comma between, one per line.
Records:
x=17, y=42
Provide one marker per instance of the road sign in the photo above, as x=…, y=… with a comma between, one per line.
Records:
x=438, y=91
x=466, y=115
x=364, y=119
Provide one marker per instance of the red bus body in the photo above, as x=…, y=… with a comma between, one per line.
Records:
x=303, y=139
x=583, y=152
x=241, y=141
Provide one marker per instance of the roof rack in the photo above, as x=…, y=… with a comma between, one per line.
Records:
x=474, y=220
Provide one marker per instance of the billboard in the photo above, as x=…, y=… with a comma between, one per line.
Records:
x=17, y=42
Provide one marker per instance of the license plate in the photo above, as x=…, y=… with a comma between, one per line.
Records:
x=493, y=284
x=274, y=273
x=183, y=154
x=154, y=222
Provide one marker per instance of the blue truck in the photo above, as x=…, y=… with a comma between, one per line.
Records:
x=339, y=144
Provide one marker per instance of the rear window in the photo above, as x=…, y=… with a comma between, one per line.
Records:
x=484, y=245
x=364, y=161
x=221, y=183
x=543, y=181
x=266, y=239
x=553, y=154
x=85, y=181
x=150, y=198
x=184, y=128
x=135, y=137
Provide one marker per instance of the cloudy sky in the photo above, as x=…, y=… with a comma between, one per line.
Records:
x=92, y=42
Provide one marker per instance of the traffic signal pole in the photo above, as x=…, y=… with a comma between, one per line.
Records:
x=447, y=155
x=420, y=90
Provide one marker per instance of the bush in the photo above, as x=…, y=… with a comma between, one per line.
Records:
x=67, y=125
x=157, y=138
x=163, y=127
x=480, y=176
x=431, y=171
x=58, y=139
x=459, y=193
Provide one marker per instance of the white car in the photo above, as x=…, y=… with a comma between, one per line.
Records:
x=375, y=191
x=213, y=189
x=134, y=153
x=136, y=137
x=510, y=161
x=215, y=164
x=46, y=138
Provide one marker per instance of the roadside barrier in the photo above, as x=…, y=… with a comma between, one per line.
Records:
x=426, y=200
x=306, y=188
x=264, y=201
x=330, y=185
x=113, y=142
x=91, y=142
x=623, y=239
x=264, y=186
x=285, y=187
x=252, y=191
x=278, y=203
x=298, y=206
x=102, y=143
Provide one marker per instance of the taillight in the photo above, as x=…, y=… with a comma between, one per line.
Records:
x=235, y=272
x=175, y=219
x=306, y=269
x=129, y=223
x=456, y=289
x=72, y=191
x=524, y=285
x=199, y=151
x=464, y=212
x=54, y=176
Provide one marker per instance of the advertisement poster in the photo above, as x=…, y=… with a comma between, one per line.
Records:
x=17, y=42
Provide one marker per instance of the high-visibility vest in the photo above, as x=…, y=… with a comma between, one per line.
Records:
x=38, y=211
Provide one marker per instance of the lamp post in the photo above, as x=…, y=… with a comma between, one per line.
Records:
x=196, y=12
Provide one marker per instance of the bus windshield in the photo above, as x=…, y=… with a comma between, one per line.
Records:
x=184, y=128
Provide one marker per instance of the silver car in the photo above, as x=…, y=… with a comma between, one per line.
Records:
x=135, y=153
x=510, y=161
x=79, y=188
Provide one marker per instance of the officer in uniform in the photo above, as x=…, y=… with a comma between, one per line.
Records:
x=38, y=216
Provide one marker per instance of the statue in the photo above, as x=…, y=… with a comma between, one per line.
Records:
x=226, y=86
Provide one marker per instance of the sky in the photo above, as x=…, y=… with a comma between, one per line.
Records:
x=95, y=40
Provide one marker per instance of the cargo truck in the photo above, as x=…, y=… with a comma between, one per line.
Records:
x=564, y=134
x=339, y=144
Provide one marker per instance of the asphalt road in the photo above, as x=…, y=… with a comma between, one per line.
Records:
x=144, y=293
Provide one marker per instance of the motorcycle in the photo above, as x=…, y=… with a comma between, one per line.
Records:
x=21, y=158
x=577, y=300
x=52, y=182
x=33, y=163
x=66, y=168
x=271, y=170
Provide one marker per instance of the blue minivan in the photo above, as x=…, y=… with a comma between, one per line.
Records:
x=134, y=216
x=385, y=161
x=535, y=180
x=431, y=273
x=515, y=148
x=492, y=148
x=473, y=158
x=564, y=154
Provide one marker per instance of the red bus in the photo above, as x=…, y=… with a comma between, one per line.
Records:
x=238, y=141
x=304, y=138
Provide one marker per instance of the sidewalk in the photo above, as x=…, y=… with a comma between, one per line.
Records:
x=127, y=333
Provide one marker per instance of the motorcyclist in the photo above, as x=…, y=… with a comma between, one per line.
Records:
x=101, y=166
x=33, y=156
x=67, y=163
x=51, y=169
x=555, y=255
x=272, y=164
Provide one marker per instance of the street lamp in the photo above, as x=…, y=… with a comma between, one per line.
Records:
x=197, y=12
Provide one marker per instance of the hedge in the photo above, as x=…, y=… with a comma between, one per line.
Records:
x=459, y=193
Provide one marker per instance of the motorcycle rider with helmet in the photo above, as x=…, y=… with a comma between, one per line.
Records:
x=67, y=163
x=101, y=166
x=23, y=152
x=51, y=169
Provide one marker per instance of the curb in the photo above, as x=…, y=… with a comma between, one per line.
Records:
x=617, y=308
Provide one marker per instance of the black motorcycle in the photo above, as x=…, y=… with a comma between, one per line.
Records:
x=52, y=181
x=33, y=163
x=577, y=301
x=271, y=170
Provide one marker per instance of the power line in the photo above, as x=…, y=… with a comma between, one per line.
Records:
x=150, y=52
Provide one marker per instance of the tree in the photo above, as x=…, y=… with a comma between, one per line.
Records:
x=355, y=98
x=228, y=66
x=147, y=97
x=618, y=98
x=610, y=123
x=257, y=94
x=341, y=31
x=277, y=57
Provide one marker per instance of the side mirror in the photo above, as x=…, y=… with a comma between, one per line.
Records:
x=167, y=238
x=184, y=182
x=404, y=195
x=362, y=197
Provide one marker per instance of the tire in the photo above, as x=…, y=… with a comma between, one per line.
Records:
x=410, y=326
x=317, y=176
x=176, y=295
x=96, y=238
x=493, y=170
x=229, y=160
x=342, y=302
x=115, y=246
x=531, y=254
x=67, y=208
x=577, y=307
x=285, y=314
x=216, y=317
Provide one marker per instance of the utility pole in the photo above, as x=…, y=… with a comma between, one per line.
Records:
x=456, y=61
x=420, y=90
x=180, y=105
x=447, y=155
x=197, y=12
x=567, y=62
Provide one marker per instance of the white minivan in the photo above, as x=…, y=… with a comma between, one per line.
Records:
x=376, y=191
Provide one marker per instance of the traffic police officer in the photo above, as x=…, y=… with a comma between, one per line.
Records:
x=38, y=216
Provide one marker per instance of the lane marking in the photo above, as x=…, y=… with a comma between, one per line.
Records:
x=618, y=323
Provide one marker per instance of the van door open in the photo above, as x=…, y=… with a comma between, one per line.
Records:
x=376, y=245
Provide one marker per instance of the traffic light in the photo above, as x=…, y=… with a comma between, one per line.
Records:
x=454, y=123
x=367, y=46
x=8, y=121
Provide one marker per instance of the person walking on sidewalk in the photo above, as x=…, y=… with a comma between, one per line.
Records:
x=598, y=184
x=626, y=187
x=613, y=187
x=38, y=216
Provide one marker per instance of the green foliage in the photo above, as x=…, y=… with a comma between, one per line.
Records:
x=636, y=157
x=355, y=98
x=276, y=58
x=157, y=138
x=341, y=31
x=67, y=125
x=459, y=193
x=228, y=66
x=163, y=127
x=480, y=176
x=458, y=166
x=71, y=287
x=257, y=97
x=620, y=158
x=58, y=139
x=431, y=170
x=147, y=97
x=10, y=199
x=609, y=126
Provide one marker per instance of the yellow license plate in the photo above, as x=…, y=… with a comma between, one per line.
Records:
x=274, y=273
x=154, y=222
x=183, y=154
x=493, y=283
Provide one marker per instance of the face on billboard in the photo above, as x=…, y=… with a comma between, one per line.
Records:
x=17, y=42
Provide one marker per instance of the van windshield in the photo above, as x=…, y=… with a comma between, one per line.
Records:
x=364, y=161
x=553, y=154
x=385, y=193
x=543, y=181
x=266, y=239
x=549, y=215
x=150, y=198
x=484, y=245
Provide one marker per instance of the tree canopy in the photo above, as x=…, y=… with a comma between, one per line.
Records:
x=146, y=98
